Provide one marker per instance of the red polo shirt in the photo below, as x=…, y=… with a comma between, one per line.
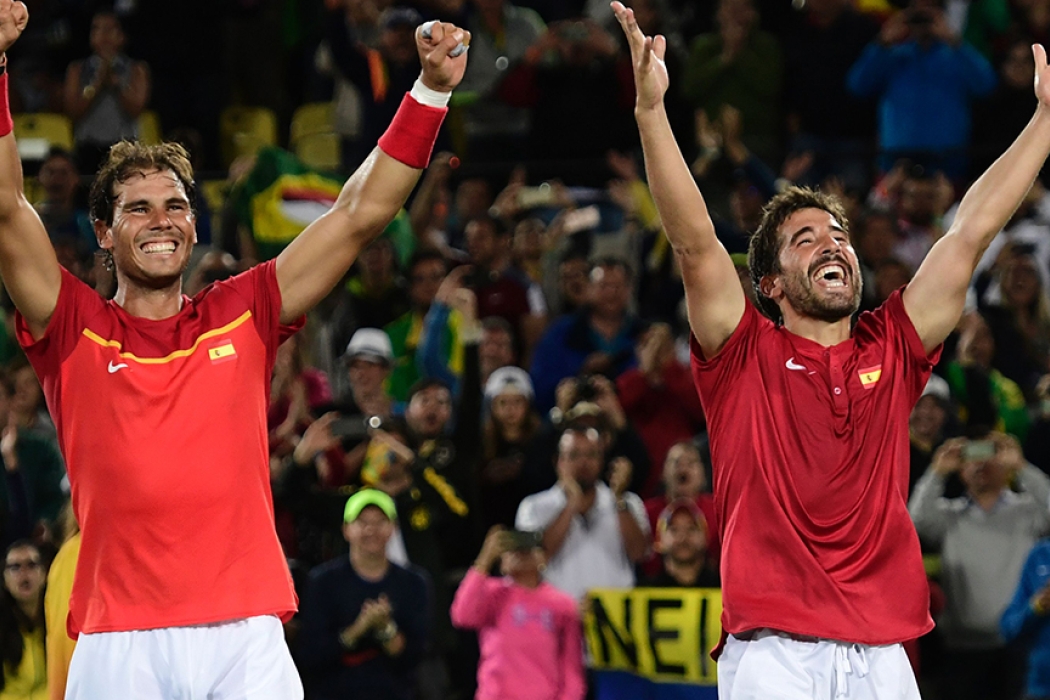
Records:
x=810, y=457
x=163, y=427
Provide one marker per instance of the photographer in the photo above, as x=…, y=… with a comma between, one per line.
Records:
x=529, y=630
x=925, y=78
x=984, y=538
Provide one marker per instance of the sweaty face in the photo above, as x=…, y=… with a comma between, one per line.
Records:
x=819, y=275
x=153, y=230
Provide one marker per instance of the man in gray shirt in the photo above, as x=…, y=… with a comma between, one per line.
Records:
x=984, y=538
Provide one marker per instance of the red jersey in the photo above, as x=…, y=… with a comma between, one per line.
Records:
x=810, y=458
x=163, y=427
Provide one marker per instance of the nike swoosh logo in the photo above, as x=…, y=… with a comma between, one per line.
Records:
x=113, y=368
x=791, y=364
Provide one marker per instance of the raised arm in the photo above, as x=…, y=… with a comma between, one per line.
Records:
x=27, y=261
x=713, y=295
x=319, y=257
x=934, y=299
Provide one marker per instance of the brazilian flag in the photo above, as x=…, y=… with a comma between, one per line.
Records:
x=281, y=196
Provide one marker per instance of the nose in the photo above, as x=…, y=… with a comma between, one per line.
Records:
x=161, y=219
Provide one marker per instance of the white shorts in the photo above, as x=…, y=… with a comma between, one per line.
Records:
x=237, y=660
x=773, y=666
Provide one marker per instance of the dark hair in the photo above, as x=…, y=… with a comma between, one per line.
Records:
x=427, y=383
x=498, y=323
x=7, y=381
x=421, y=256
x=129, y=158
x=763, y=255
x=499, y=229
x=614, y=262
x=13, y=620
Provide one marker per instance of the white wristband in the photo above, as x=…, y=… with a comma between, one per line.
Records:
x=431, y=98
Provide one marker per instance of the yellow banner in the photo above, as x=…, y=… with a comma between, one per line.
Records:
x=665, y=634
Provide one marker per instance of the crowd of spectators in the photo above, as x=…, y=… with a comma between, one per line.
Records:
x=509, y=383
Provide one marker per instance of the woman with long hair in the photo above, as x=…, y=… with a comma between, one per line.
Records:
x=509, y=428
x=22, y=633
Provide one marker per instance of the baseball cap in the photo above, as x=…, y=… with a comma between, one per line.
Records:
x=371, y=344
x=509, y=380
x=680, y=504
x=938, y=388
x=369, y=497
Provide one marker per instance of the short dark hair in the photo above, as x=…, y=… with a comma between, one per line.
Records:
x=499, y=228
x=763, y=255
x=497, y=323
x=427, y=383
x=128, y=158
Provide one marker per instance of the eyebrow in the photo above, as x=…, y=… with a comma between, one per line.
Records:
x=809, y=229
x=146, y=202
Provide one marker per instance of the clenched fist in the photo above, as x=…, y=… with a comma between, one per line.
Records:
x=13, y=19
x=443, y=64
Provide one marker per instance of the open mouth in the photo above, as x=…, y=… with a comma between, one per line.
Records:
x=831, y=276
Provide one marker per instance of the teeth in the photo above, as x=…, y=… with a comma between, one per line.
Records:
x=159, y=248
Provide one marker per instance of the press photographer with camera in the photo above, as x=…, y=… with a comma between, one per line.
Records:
x=984, y=538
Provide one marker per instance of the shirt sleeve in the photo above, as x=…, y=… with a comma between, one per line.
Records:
x=891, y=323
x=538, y=511
x=637, y=508
x=714, y=376
x=77, y=302
x=260, y=291
x=476, y=602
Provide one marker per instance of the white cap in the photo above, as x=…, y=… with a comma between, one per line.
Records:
x=937, y=387
x=371, y=344
x=509, y=380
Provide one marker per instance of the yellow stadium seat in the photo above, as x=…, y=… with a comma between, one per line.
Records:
x=244, y=130
x=38, y=132
x=214, y=191
x=33, y=190
x=310, y=119
x=320, y=151
x=149, y=128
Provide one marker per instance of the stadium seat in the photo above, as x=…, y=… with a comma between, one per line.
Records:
x=149, y=128
x=244, y=130
x=38, y=132
x=313, y=137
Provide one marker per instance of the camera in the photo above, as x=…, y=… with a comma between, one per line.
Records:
x=978, y=450
x=586, y=390
x=355, y=427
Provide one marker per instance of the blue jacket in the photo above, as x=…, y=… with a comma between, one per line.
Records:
x=1019, y=621
x=565, y=346
x=924, y=92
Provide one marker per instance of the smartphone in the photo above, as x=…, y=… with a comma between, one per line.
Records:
x=978, y=450
x=582, y=219
x=354, y=427
x=531, y=197
x=522, y=539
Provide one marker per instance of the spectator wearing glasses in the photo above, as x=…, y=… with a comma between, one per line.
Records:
x=22, y=623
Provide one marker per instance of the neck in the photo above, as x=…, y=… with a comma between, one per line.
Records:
x=529, y=580
x=154, y=304
x=31, y=608
x=821, y=332
x=987, y=498
x=588, y=498
x=374, y=403
x=606, y=324
x=369, y=566
x=512, y=433
x=684, y=573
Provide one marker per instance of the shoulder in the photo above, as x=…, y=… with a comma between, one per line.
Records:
x=411, y=576
x=330, y=570
x=560, y=599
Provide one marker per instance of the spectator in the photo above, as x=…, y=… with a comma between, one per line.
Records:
x=496, y=348
x=22, y=627
x=926, y=426
x=681, y=540
x=1005, y=112
x=659, y=399
x=820, y=45
x=509, y=434
x=32, y=492
x=531, y=647
x=572, y=283
x=597, y=339
x=377, y=293
x=63, y=210
x=685, y=477
x=1037, y=447
x=984, y=395
x=920, y=198
x=56, y=605
x=741, y=66
x=984, y=538
x=365, y=619
x=1024, y=622
x=296, y=390
x=106, y=93
x=924, y=78
x=426, y=271
x=874, y=239
x=501, y=33
x=593, y=534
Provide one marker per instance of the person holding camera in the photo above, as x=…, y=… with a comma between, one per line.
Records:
x=984, y=538
x=925, y=78
x=365, y=619
x=593, y=534
x=531, y=644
